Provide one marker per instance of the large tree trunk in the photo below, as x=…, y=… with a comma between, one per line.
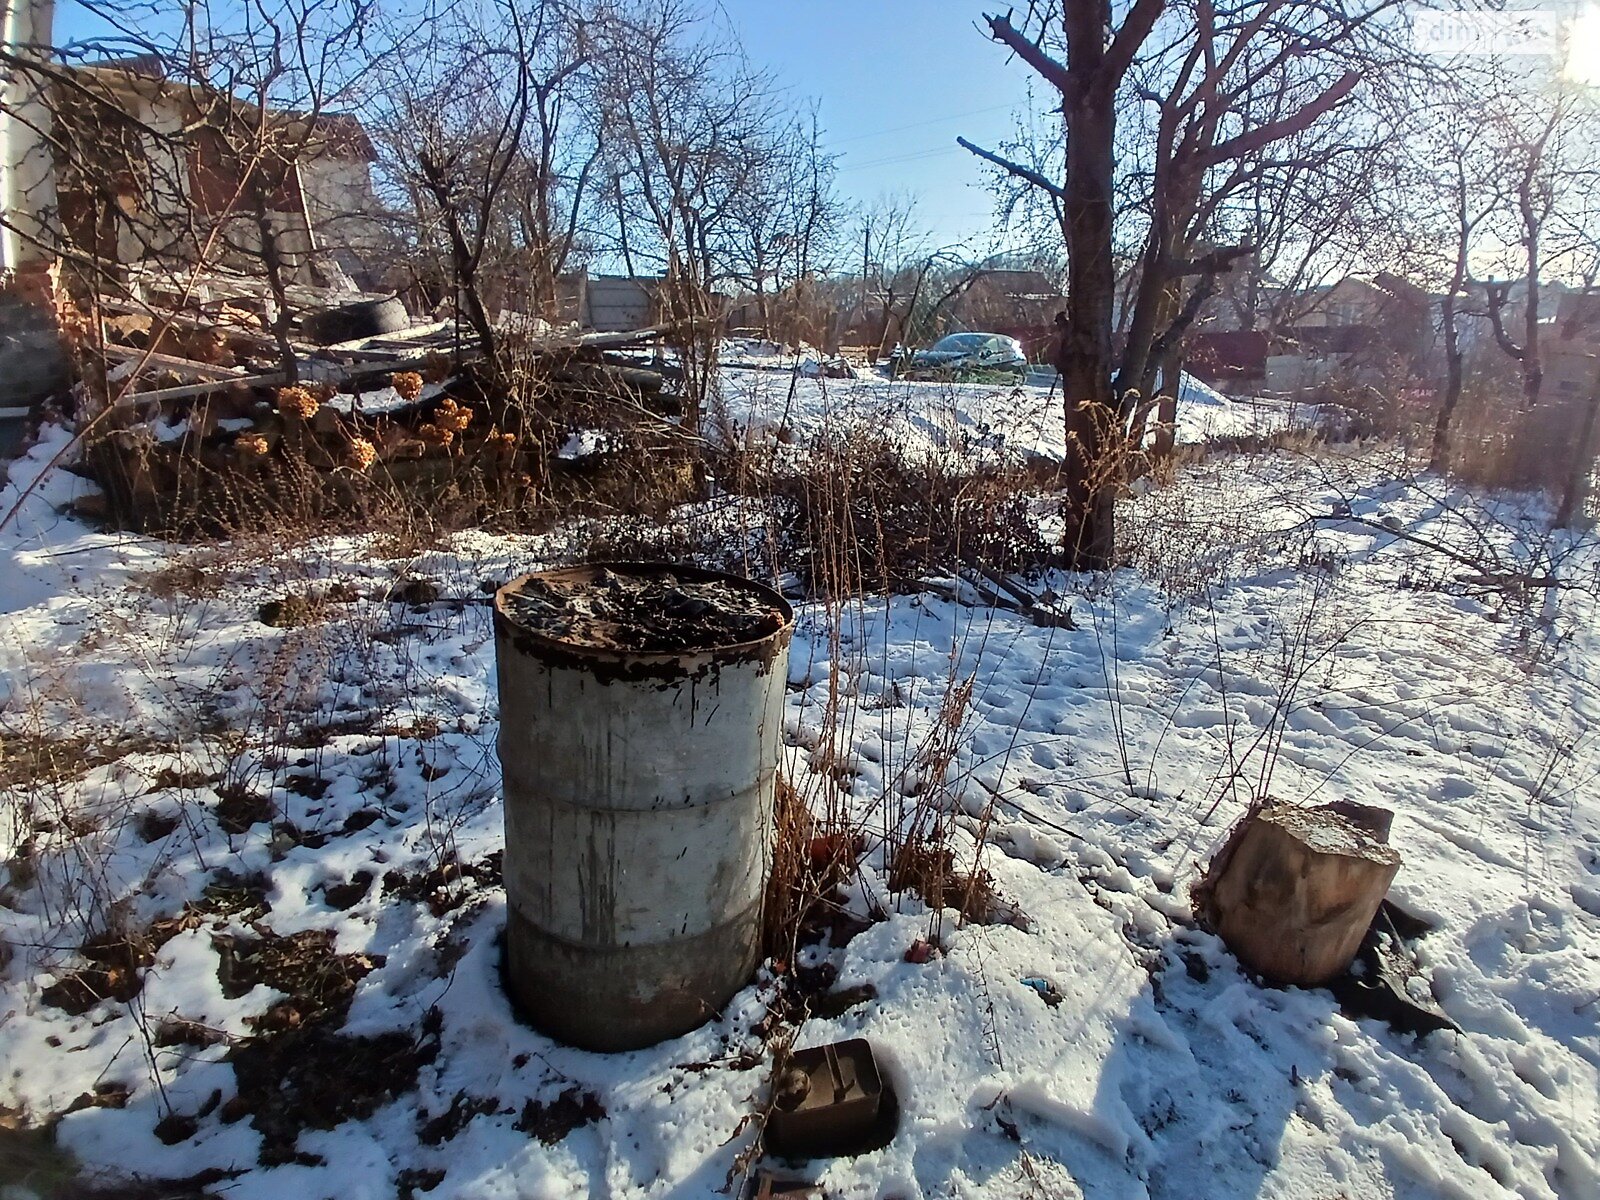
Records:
x=1167, y=406
x=1440, y=458
x=1085, y=359
x=1088, y=85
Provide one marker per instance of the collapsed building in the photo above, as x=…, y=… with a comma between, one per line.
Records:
x=152, y=172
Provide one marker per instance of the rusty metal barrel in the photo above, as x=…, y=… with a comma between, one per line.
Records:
x=640, y=725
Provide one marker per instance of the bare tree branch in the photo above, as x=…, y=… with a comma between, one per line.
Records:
x=1014, y=168
x=1264, y=135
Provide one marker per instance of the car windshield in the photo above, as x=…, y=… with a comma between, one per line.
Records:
x=962, y=341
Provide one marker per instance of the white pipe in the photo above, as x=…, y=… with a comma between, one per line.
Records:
x=28, y=234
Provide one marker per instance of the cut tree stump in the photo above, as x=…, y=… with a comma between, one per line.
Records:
x=1293, y=890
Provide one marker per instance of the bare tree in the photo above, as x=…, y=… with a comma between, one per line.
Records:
x=481, y=143
x=896, y=256
x=692, y=133
x=1087, y=78
x=1208, y=90
x=1547, y=142
x=782, y=229
x=1459, y=188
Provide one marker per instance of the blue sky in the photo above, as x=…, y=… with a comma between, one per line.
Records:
x=896, y=82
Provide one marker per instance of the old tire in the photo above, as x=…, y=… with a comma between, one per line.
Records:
x=365, y=318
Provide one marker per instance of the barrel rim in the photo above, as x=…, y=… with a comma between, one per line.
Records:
x=605, y=654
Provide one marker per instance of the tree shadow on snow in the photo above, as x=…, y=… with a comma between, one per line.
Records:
x=1193, y=1097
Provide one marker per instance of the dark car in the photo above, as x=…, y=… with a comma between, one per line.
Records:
x=966, y=356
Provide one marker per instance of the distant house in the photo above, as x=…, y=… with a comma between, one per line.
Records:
x=149, y=169
x=1572, y=355
x=1355, y=330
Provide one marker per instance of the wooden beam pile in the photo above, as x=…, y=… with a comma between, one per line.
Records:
x=238, y=431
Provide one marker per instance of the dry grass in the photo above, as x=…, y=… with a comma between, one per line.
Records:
x=1496, y=443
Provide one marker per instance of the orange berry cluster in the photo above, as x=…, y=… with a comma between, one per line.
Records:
x=297, y=402
x=407, y=384
x=450, y=415
x=360, y=454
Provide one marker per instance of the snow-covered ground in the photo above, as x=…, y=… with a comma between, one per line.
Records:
x=1022, y=420
x=1289, y=628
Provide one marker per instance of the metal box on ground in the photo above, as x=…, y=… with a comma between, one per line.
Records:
x=831, y=1101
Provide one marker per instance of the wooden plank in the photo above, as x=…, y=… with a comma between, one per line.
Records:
x=402, y=336
x=153, y=360
x=608, y=341
x=161, y=317
x=384, y=353
x=272, y=378
x=469, y=353
x=277, y=378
